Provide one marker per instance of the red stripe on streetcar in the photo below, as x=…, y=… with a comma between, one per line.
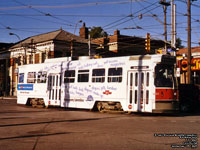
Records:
x=165, y=94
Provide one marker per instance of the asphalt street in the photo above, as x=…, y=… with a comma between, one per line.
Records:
x=28, y=128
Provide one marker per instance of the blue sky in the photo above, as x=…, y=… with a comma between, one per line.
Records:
x=32, y=17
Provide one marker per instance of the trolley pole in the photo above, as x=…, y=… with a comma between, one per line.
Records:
x=189, y=42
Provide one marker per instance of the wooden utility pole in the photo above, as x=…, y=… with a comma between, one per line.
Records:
x=165, y=24
x=165, y=4
x=189, y=42
x=173, y=25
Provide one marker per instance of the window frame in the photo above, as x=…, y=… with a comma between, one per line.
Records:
x=82, y=75
x=71, y=78
x=43, y=74
x=30, y=78
x=116, y=76
x=98, y=78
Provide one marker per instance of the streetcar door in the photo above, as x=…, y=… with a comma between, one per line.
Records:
x=138, y=91
x=54, y=89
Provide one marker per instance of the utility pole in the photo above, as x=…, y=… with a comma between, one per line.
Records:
x=89, y=45
x=189, y=42
x=173, y=25
x=165, y=4
x=165, y=24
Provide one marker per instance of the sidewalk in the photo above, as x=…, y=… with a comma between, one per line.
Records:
x=8, y=97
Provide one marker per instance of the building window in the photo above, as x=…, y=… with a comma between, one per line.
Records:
x=83, y=75
x=19, y=60
x=98, y=75
x=31, y=77
x=69, y=76
x=21, y=78
x=115, y=75
x=51, y=54
x=30, y=59
x=43, y=57
x=37, y=58
x=42, y=77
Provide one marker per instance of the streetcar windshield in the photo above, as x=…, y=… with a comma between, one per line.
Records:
x=164, y=75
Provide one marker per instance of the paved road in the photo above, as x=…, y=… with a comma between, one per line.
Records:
x=49, y=129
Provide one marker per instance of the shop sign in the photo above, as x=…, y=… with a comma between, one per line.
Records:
x=195, y=64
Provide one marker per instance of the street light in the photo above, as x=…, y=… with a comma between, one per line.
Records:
x=76, y=26
x=14, y=67
x=71, y=42
x=15, y=35
x=11, y=33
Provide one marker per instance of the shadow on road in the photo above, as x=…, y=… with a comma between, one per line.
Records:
x=47, y=122
x=30, y=136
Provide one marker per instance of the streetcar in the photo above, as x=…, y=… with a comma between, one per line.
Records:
x=141, y=83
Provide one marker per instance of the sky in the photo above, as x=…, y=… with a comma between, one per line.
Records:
x=26, y=18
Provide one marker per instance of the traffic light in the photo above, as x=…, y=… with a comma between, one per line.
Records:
x=147, y=43
x=11, y=62
x=159, y=51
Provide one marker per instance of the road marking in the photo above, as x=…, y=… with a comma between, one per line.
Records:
x=192, y=121
x=173, y=120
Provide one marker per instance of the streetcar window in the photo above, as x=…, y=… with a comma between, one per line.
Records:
x=115, y=75
x=147, y=96
x=49, y=81
x=53, y=80
x=136, y=79
x=83, y=75
x=135, y=96
x=60, y=80
x=57, y=80
x=42, y=77
x=142, y=78
x=69, y=76
x=98, y=75
x=147, y=80
x=31, y=77
x=164, y=75
x=21, y=78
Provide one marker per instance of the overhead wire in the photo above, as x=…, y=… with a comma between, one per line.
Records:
x=45, y=14
x=130, y=15
x=128, y=19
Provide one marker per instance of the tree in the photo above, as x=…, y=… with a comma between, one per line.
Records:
x=179, y=43
x=97, y=32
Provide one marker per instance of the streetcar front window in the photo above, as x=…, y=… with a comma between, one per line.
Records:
x=164, y=75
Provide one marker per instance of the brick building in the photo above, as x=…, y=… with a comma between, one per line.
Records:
x=4, y=68
x=123, y=45
x=37, y=48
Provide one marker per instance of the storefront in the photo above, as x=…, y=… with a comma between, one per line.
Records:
x=195, y=70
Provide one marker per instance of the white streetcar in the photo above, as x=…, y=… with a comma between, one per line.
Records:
x=143, y=83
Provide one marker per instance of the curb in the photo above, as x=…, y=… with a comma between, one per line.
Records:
x=8, y=98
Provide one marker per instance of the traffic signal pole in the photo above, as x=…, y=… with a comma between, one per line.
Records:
x=147, y=43
x=189, y=42
x=165, y=24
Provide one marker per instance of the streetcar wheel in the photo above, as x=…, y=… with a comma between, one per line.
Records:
x=100, y=107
